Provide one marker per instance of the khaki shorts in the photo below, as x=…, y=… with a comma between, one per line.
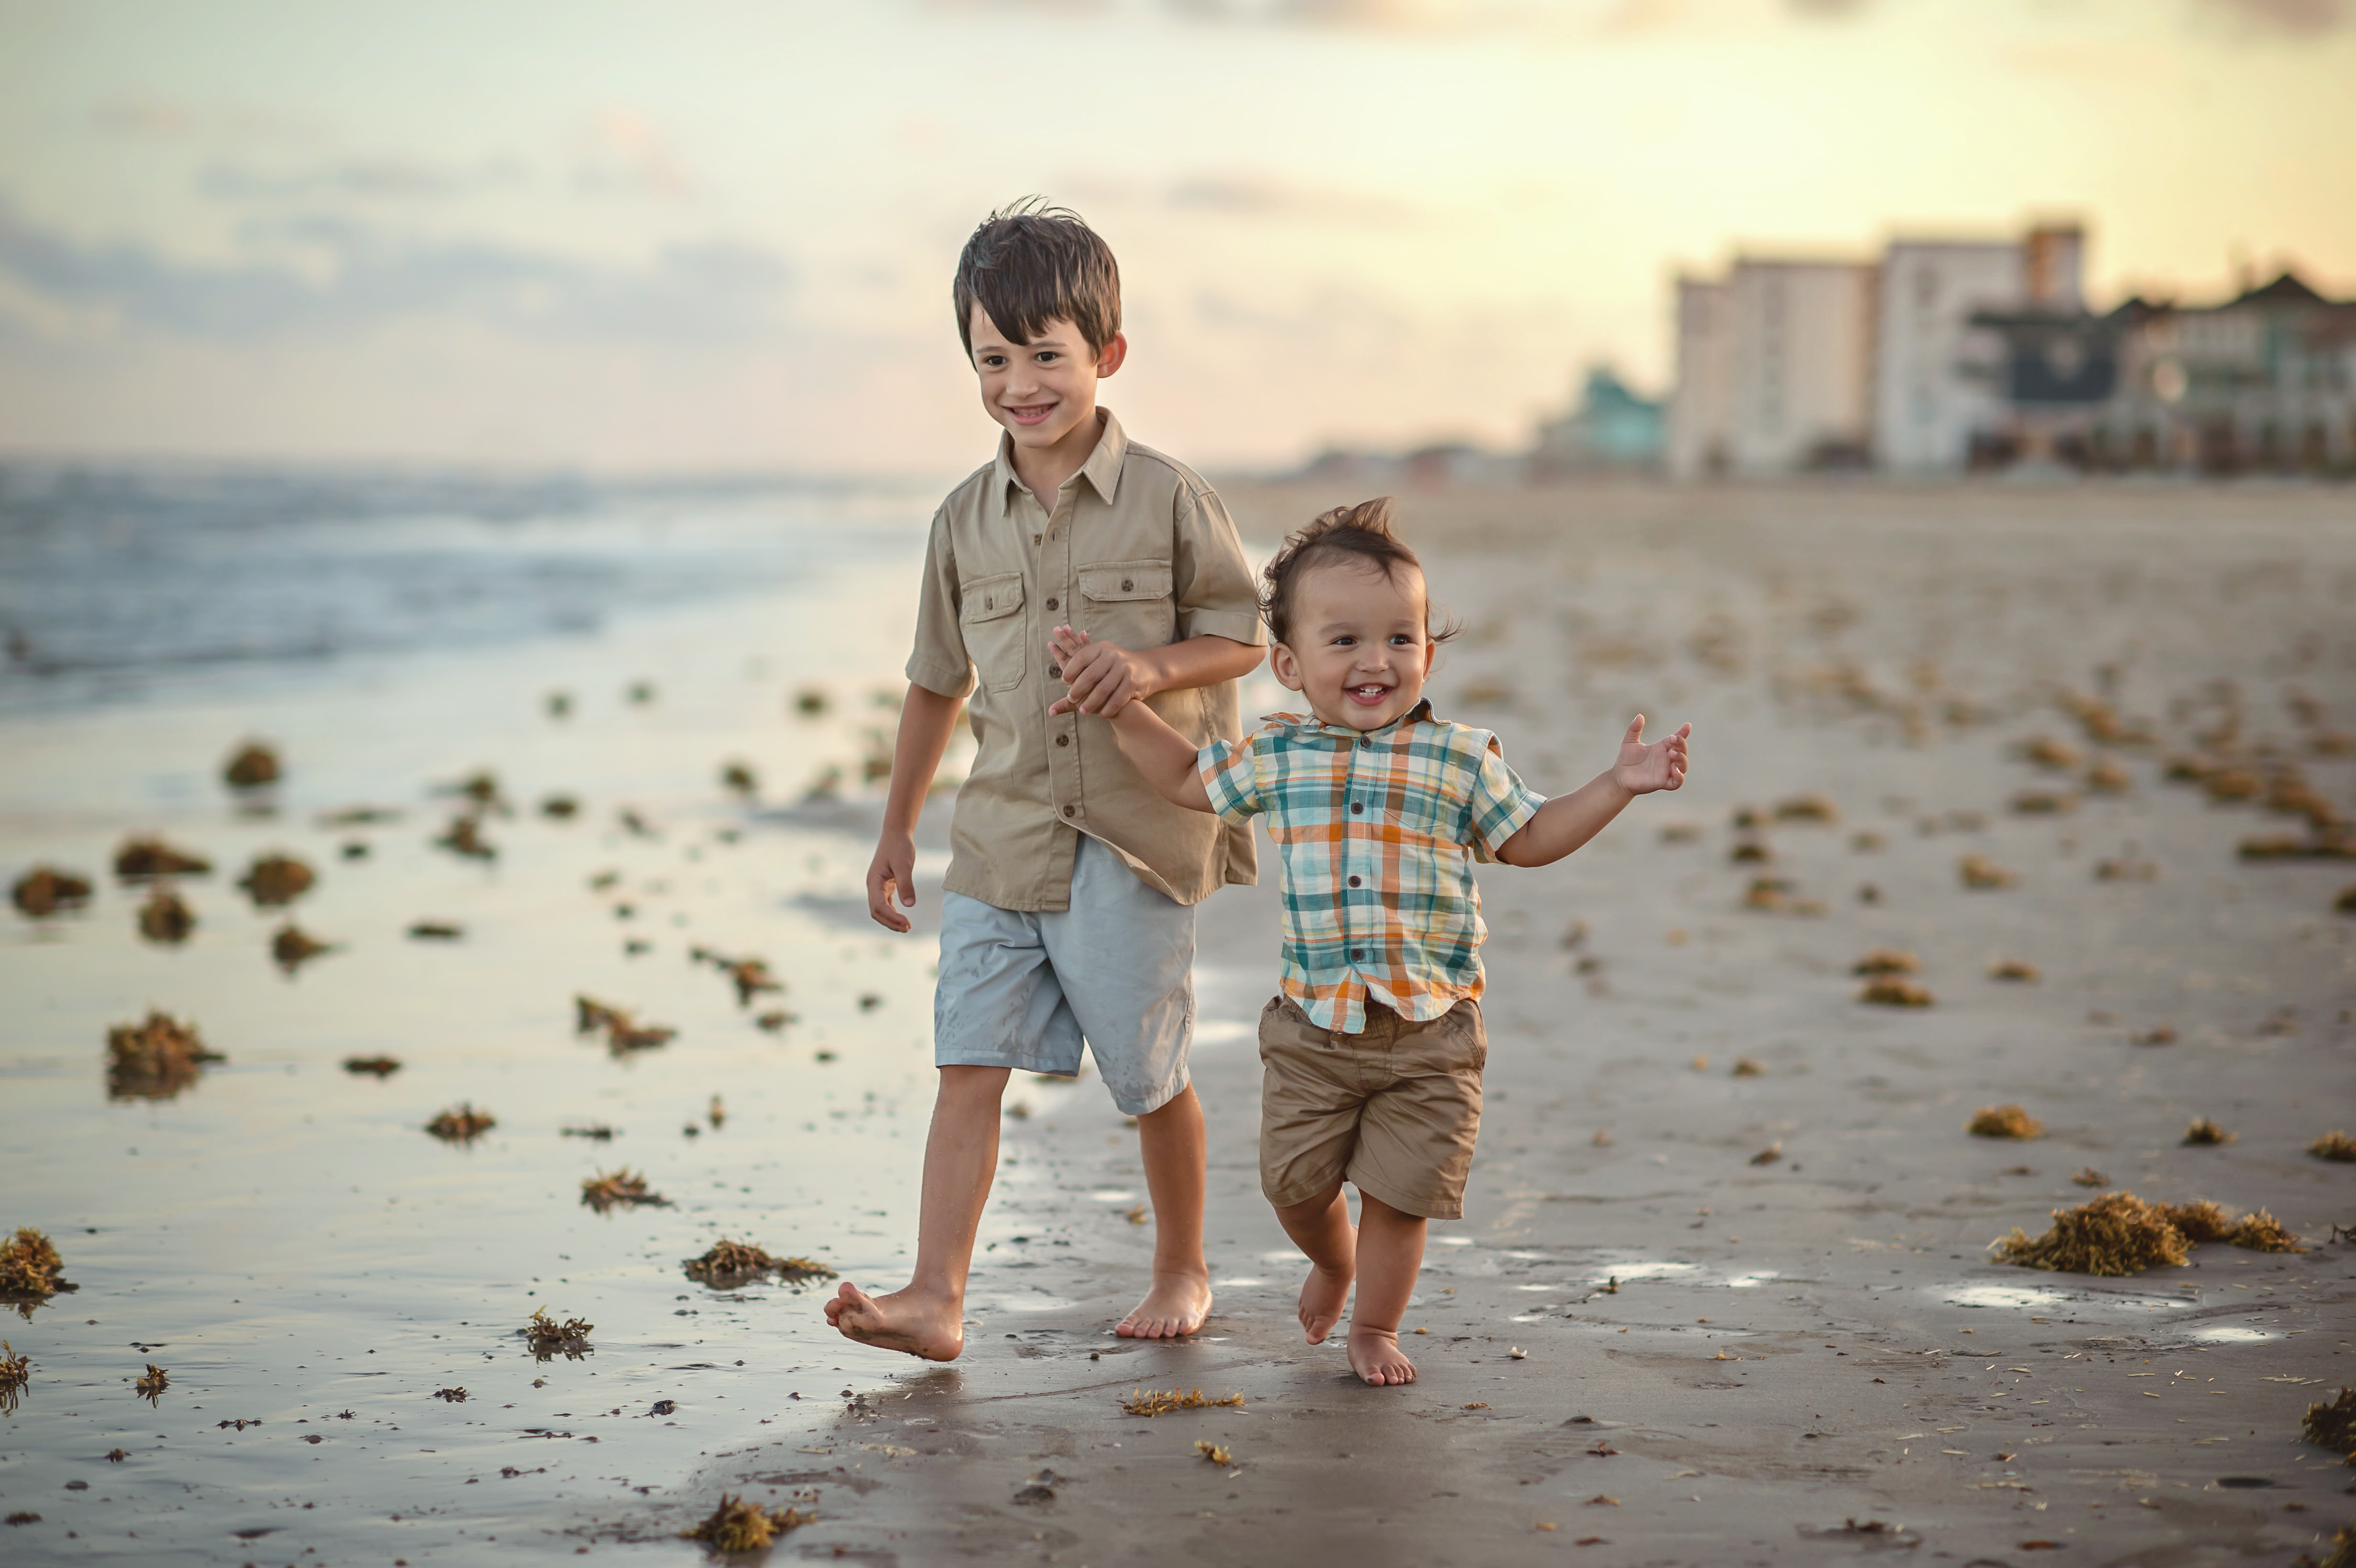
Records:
x=1393, y=1109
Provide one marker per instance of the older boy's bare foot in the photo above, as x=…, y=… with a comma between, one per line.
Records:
x=1375, y=1356
x=917, y=1322
x=1173, y=1308
x=1322, y=1296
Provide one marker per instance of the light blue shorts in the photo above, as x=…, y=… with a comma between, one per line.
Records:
x=1025, y=990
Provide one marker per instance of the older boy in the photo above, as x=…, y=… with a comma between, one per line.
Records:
x=1373, y=1047
x=1067, y=911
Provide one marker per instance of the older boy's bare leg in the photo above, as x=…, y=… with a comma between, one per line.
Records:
x=1172, y=1141
x=1321, y=1227
x=1390, y=1255
x=927, y=1318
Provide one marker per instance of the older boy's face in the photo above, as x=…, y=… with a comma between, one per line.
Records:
x=1360, y=648
x=1043, y=391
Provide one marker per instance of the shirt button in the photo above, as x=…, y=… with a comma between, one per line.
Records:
x=1353, y=881
x=1034, y=538
x=1357, y=809
x=1358, y=955
x=1126, y=585
x=1065, y=741
x=1364, y=743
x=1070, y=809
x=1051, y=603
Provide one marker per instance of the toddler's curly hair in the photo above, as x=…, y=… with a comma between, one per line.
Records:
x=1361, y=534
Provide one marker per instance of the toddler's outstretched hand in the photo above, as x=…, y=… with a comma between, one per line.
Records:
x=1642, y=769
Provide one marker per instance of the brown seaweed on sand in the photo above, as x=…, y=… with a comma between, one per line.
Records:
x=155, y=1060
x=2200, y=1222
x=1886, y=960
x=2261, y=1233
x=2087, y=1175
x=1808, y=808
x=465, y=837
x=165, y=917
x=376, y=1066
x=2206, y=1134
x=739, y=1524
x=1891, y=991
x=2019, y=969
x=739, y=777
x=2107, y=777
x=2346, y=903
x=624, y=1034
x=549, y=1338
x=2333, y=1426
x=2118, y=1233
x=29, y=1267
x=1980, y=873
x=292, y=947
x=43, y=891
x=275, y=879
x=151, y=1386
x=461, y=1124
x=251, y=767
x=2334, y=1146
x=142, y=858
x=1775, y=895
x=730, y=1263
x=2046, y=752
x=2004, y=1121
x=1747, y=1067
x=436, y=931
x=2044, y=802
x=624, y=1188
x=1215, y=1453
x=16, y=1371
x=1155, y=1401
x=2344, y=1551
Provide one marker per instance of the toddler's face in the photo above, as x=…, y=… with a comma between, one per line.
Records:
x=1041, y=391
x=1361, y=648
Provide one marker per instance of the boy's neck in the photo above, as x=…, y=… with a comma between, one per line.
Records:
x=1044, y=470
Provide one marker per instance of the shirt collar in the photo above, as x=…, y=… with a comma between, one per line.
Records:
x=1102, y=470
x=1415, y=715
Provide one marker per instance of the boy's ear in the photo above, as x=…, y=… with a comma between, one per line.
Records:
x=1110, y=357
x=1284, y=666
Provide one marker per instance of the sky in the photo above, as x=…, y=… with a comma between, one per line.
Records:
x=718, y=234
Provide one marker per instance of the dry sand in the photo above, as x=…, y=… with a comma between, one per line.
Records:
x=1887, y=649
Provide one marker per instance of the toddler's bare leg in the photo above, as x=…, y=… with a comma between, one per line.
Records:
x=1172, y=1144
x=1321, y=1227
x=1390, y=1255
x=927, y=1318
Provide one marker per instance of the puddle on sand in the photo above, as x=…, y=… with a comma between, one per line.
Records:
x=2234, y=1334
x=2018, y=1296
x=283, y=1236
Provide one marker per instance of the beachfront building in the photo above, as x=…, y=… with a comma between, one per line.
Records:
x=1695, y=437
x=1611, y=430
x=1785, y=369
x=2264, y=382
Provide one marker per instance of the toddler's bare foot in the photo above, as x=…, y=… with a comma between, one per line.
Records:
x=1322, y=1296
x=917, y=1322
x=1375, y=1356
x=1173, y=1308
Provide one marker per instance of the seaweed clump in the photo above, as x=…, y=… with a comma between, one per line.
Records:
x=165, y=917
x=2333, y=1425
x=43, y=891
x=2206, y=1134
x=251, y=767
x=740, y=1524
x=549, y=1338
x=626, y=1187
x=151, y=1386
x=292, y=947
x=1895, y=991
x=29, y=1267
x=730, y=1263
x=2261, y=1233
x=2016, y=969
x=277, y=880
x=1156, y=1401
x=144, y=859
x=155, y=1060
x=2005, y=1122
x=1980, y=873
x=462, y=1123
x=2118, y=1233
x=624, y=1034
x=463, y=837
x=2344, y=1551
x=2334, y=1146
x=1886, y=960
x=16, y=1371
x=377, y=1066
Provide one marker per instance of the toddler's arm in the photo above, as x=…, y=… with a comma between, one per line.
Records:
x=1165, y=757
x=1568, y=821
x=1105, y=678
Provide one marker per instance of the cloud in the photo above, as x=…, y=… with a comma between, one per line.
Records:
x=362, y=179
x=1253, y=196
x=359, y=278
x=2305, y=18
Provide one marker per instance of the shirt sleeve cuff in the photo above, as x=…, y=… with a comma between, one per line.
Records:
x=1509, y=822
x=940, y=679
x=1211, y=764
x=1234, y=625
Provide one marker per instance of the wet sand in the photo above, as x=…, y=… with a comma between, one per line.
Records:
x=1681, y=1314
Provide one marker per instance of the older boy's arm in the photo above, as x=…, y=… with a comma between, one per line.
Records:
x=1104, y=677
x=1165, y=757
x=1568, y=821
x=927, y=719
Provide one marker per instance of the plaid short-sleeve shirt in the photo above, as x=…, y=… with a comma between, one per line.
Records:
x=1378, y=830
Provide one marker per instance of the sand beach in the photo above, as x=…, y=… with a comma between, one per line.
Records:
x=1724, y=1293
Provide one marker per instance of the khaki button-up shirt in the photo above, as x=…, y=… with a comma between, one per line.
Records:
x=1138, y=550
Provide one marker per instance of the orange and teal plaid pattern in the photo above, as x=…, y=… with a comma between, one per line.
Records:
x=1378, y=830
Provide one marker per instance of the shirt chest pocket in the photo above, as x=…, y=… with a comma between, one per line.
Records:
x=993, y=629
x=1130, y=602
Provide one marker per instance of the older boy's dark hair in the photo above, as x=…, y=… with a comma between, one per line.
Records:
x=1360, y=534
x=1030, y=263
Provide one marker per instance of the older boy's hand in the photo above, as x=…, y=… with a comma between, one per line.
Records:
x=1642, y=769
x=891, y=873
x=1101, y=678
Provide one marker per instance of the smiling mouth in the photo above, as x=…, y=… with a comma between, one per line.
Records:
x=1367, y=695
x=1029, y=413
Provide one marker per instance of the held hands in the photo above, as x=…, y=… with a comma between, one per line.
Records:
x=1642, y=769
x=1103, y=677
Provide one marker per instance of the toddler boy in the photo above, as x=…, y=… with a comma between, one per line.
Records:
x=1373, y=1048
x=1068, y=911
